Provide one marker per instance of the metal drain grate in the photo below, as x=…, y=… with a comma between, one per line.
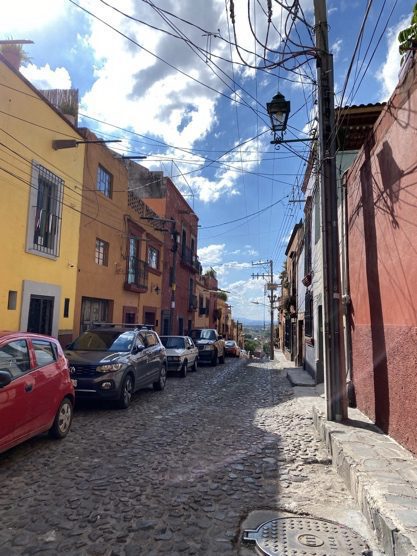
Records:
x=305, y=536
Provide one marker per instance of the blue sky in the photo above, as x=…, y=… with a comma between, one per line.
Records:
x=163, y=76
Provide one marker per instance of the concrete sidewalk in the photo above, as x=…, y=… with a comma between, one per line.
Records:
x=381, y=475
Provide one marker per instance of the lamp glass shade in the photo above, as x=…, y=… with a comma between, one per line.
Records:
x=278, y=110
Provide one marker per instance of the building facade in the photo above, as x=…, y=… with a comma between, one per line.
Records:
x=120, y=254
x=381, y=191
x=181, y=268
x=40, y=209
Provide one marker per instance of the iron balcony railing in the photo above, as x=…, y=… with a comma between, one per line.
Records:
x=189, y=258
x=137, y=273
x=46, y=233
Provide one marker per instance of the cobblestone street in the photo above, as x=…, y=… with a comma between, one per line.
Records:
x=176, y=473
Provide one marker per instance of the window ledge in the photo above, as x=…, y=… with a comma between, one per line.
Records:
x=135, y=288
x=154, y=271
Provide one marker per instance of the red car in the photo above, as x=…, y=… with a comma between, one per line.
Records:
x=36, y=392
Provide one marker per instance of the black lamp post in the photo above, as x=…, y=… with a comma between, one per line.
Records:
x=278, y=110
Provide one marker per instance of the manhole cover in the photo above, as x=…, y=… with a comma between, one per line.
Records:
x=305, y=536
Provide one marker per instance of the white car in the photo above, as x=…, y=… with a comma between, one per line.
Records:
x=182, y=354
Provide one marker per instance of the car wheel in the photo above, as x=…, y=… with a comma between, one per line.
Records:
x=195, y=365
x=160, y=384
x=215, y=359
x=126, y=392
x=183, y=371
x=63, y=419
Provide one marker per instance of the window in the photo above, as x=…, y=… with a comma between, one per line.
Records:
x=132, y=270
x=12, y=300
x=44, y=223
x=153, y=257
x=14, y=358
x=102, y=252
x=308, y=314
x=45, y=352
x=149, y=339
x=136, y=272
x=66, y=307
x=104, y=182
x=149, y=318
x=94, y=310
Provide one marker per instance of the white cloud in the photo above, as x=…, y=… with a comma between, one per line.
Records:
x=31, y=15
x=242, y=292
x=211, y=255
x=47, y=78
x=388, y=72
x=235, y=97
x=336, y=48
x=224, y=269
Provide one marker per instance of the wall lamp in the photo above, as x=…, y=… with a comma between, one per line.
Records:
x=155, y=289
x=279, y=110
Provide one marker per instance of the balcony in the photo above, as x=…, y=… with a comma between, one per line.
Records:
x=189, y=258
x=137, y=275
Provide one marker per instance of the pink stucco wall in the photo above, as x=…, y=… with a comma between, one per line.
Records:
x=382, y=205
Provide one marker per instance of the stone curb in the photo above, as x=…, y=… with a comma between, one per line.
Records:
x=381, y=476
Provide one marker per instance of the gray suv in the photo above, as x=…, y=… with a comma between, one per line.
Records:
x=111, y=362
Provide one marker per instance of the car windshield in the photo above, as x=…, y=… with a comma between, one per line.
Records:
x=104, y=340
x=207, y=335
x=173, y=342
x=230, y=343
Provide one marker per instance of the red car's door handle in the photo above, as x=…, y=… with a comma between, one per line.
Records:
x=28, y=387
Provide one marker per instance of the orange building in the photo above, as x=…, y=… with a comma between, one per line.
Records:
x=120, y=253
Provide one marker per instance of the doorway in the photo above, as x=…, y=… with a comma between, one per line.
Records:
x=41, y=312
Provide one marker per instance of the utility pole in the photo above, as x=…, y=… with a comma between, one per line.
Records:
x=336, y=397
x=270, y=286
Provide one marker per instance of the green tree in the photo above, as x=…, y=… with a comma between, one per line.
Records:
x=250, y=345
x=408, y=36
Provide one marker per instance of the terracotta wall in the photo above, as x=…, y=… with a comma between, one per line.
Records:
x=382, y=193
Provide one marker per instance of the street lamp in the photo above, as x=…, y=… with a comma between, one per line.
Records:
x=278, y=110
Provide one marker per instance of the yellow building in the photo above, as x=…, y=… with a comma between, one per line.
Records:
x=40, y=205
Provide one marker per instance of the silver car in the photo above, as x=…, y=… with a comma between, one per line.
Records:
x=182, y=354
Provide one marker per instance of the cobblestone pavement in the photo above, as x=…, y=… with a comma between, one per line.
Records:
x=176, y=473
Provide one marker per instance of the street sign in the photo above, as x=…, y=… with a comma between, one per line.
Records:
x=270, y=286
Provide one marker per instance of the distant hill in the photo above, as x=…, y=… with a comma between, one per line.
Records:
x=251, y=322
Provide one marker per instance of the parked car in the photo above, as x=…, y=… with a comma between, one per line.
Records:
x=112, y=361
x=210, y=345
x=182, y=354
x=232, y=349
x=36, y=392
